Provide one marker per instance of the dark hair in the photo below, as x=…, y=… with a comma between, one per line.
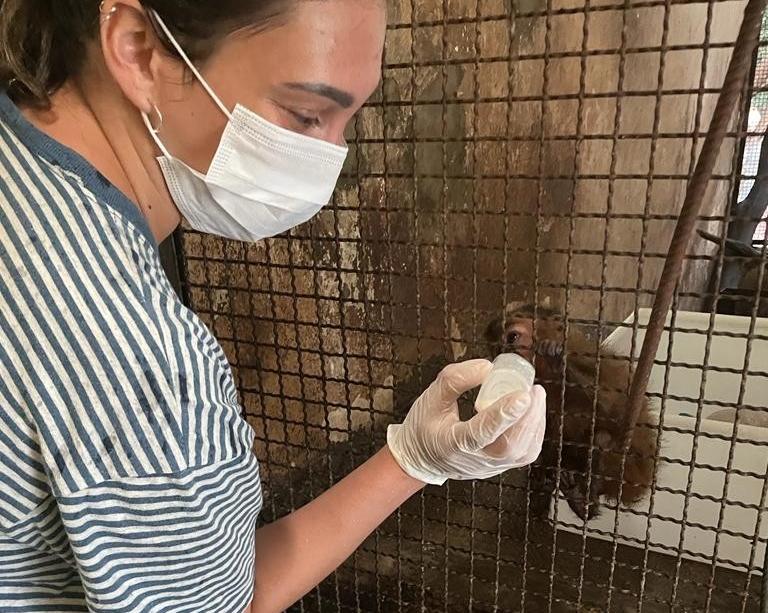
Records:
x=43, y=42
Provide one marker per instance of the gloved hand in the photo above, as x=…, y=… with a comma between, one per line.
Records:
x=433, y=444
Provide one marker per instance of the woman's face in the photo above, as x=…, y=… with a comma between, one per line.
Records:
x=309, y=75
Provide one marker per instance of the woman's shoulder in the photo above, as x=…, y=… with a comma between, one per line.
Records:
x=61, y=218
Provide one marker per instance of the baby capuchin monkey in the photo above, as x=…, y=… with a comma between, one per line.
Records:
x=583, y=479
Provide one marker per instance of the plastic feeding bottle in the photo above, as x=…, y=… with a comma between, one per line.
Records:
x=511, y=373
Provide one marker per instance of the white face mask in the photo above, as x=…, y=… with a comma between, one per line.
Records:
x=263, y=179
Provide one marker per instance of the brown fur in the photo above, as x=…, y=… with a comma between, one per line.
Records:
x=582, y=482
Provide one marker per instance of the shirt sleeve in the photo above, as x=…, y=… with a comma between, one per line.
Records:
x=171, y=543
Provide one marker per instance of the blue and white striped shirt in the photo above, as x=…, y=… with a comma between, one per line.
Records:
x=127, y=480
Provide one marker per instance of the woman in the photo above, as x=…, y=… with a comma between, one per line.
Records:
x=128, y=482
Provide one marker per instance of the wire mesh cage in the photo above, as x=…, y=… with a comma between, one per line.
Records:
x=532, y=152
x=757, y=120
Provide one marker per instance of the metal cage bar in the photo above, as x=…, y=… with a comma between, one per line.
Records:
x=519, y=152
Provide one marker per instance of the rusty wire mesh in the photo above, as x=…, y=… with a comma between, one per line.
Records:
x=756, y=122
x=526, y=152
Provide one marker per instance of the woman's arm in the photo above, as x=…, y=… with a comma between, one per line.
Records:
x=297, y=552
x=431, y=445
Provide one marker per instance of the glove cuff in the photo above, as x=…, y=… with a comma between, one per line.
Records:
x=395, y=443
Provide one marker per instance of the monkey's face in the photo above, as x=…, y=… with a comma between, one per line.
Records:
x=534, y=333
x=519, y=338
x=535, y=346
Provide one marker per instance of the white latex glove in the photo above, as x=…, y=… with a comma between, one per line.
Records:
x=433, y=444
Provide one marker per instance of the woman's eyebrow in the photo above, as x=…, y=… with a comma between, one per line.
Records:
x=340, y=97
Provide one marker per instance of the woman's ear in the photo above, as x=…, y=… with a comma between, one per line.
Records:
x=132, y=51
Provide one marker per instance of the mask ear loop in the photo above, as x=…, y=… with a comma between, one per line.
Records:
x=189, y=64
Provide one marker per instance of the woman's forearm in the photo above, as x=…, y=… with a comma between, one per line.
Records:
x=295, y=553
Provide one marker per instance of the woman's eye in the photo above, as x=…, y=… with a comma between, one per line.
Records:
x=306, y=120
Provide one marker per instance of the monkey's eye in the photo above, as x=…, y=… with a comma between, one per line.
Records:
x=512, y=337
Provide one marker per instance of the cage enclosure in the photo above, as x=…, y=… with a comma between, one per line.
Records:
x=521, y=152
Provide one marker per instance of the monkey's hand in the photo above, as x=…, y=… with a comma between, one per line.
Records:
x=433, y=444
